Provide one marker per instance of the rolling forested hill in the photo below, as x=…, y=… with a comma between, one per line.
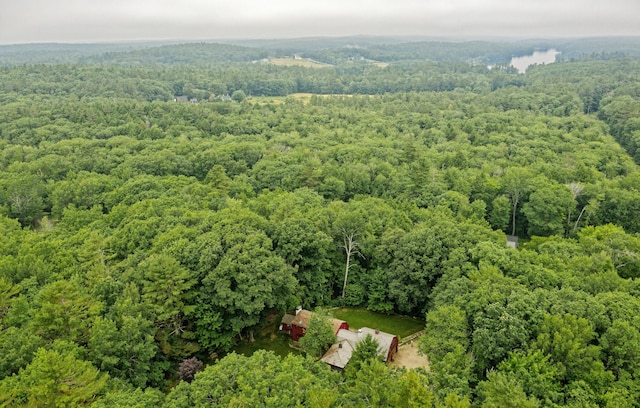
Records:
x=139, y=232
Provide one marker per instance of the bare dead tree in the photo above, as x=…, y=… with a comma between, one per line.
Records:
x=589, y=209
x=350, y=246
x=576, y=190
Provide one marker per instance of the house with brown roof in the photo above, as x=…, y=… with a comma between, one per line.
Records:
x=298, y=323
x=340, y=353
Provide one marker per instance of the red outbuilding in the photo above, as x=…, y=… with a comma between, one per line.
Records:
x=297, y=324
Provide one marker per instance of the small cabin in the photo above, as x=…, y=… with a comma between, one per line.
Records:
x=340, y=353
x=297, y=324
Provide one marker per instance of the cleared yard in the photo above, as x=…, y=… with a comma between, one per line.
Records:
x=277, y=342
x=409, y=357
x=401, y=326
x=267, y=338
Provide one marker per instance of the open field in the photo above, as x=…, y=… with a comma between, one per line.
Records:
x=301, y=62
x=401, y=326
x=304, y=97
x=378, y=64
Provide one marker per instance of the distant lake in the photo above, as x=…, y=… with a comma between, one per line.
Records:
x=538, y=57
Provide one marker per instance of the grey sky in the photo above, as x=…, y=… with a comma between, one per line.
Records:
x=23, y=21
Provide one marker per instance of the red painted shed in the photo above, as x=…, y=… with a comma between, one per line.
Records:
x=297, y=324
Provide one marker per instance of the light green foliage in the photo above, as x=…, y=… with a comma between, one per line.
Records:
x=166, y=286
x=500, y=213
x=53, y=379
x=445, y=343
x=319, y=335
x=547, y=209
x=22, y=196
x=516, y=185
x=454, y=401
x=622, y=248
x=8, y=294
x=366, y=350
x=63, y=311
x=500, y=391
x=374, y=385
x=536, y=374
x=620, y=346
x=567, y=340
x=131, y=398
x=446, y=329
x=260, y=380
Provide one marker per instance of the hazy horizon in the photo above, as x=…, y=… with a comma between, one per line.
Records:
x=78, y=21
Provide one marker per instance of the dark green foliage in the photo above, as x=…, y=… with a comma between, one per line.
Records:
x=138, y=232
x=124, y=349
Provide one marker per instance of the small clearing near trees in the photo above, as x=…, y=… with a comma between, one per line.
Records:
x=401, y=326
x=302, y=62
x=409, y=357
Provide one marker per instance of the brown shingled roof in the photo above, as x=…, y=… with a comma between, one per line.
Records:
x=287, y=319
x=340, y=353
x=302, y=319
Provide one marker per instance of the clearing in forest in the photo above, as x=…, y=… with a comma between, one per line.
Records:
x=401, y=326
x=301, y=62
x=409, y=357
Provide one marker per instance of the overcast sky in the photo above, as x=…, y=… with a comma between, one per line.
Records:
x=24, y=21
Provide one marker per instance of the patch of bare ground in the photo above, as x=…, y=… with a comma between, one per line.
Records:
x=409, y=357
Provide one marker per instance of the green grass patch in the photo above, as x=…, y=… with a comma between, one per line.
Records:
x=401, y=326
x=278, y=343
x=267, y=338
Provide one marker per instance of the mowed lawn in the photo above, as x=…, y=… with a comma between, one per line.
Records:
x=401, y=326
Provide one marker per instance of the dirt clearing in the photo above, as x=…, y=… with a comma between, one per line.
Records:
x=409, y=357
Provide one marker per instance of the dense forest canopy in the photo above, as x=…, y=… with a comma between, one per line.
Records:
x=139, y=232
x=339, y=50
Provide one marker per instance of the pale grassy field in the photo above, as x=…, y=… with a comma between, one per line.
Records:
x=304, y=97
x=304, y=62
x=378, y=64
